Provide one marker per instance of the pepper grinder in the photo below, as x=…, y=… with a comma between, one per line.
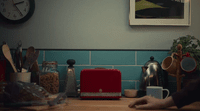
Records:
x=71, y=87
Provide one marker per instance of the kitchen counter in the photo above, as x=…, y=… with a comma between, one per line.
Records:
x=76, y=104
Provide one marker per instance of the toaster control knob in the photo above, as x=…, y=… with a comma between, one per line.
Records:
x=100, y=90
x=71, y=62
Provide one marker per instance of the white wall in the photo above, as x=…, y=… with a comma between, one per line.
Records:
x=92, y=24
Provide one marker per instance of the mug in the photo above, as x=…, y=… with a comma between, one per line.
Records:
x=169, y=64
x=156, y=92
x=188, y=64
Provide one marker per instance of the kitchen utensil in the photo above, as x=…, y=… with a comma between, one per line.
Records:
x=20, y=76
x=156, y=91
x=32, y=57
x=20, y=55
x=17, y=61
x=152, y=74
x=71, y=87
x=169, y=64
x=131, y=93
x=100, y=84
x=35, y=66
x=30, y=50
x=6, y=52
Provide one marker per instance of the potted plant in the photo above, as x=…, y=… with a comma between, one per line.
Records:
x=189, y=44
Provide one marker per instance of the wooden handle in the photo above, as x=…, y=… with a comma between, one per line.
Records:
x=21, y=59
x=35, y=67
x=6, y=52
x=15, y=70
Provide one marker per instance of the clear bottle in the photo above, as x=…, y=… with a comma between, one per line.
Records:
x=49, y=77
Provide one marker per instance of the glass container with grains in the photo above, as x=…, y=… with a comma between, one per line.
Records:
x=49, y=77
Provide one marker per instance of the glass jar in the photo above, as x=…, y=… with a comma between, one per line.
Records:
x=49, y=77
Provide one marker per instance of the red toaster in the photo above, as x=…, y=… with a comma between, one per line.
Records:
x=100, y=83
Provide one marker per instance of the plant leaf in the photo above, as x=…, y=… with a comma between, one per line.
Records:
x=194, y=46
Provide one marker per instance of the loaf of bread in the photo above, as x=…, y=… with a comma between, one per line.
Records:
x=23, y=92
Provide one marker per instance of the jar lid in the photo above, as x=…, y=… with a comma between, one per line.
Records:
x=49, y=62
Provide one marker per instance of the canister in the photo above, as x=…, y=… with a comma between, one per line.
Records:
x=49, y=77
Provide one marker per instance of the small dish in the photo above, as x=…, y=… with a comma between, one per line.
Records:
x=130, y=93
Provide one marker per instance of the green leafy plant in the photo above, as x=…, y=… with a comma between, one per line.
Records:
x=189, y=44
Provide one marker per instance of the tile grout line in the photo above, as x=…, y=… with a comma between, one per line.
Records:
x=135, y=57
x=99, y=65
x=108, y=65
x=121, y=80
x=135, y=84
x=90, y=57
x=44, y=56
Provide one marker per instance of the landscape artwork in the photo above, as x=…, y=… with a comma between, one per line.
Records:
x=160, y=12
x=167, y=9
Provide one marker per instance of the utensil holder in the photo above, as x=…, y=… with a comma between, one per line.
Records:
x=20, y=76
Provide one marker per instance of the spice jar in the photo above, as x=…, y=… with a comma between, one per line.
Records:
x=49, y=77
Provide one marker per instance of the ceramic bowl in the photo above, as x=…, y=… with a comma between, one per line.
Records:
x=130, y=93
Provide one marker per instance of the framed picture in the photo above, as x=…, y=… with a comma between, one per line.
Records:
x=160, y=12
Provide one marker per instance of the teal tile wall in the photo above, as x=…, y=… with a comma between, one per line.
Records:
x=112, y=57
x=128, y=62
x=81, y=57
x=144, y=56
x=130, y=72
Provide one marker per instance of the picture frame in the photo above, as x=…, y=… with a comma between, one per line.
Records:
x=141, y=15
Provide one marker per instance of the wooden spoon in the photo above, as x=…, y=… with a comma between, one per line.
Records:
x=6, y=52
x=35, y=66
x=29, y=50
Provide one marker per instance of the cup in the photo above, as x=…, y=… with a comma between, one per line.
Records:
x=169, y=64
x=188, y=64
x=156, y=91
x=20, y=76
